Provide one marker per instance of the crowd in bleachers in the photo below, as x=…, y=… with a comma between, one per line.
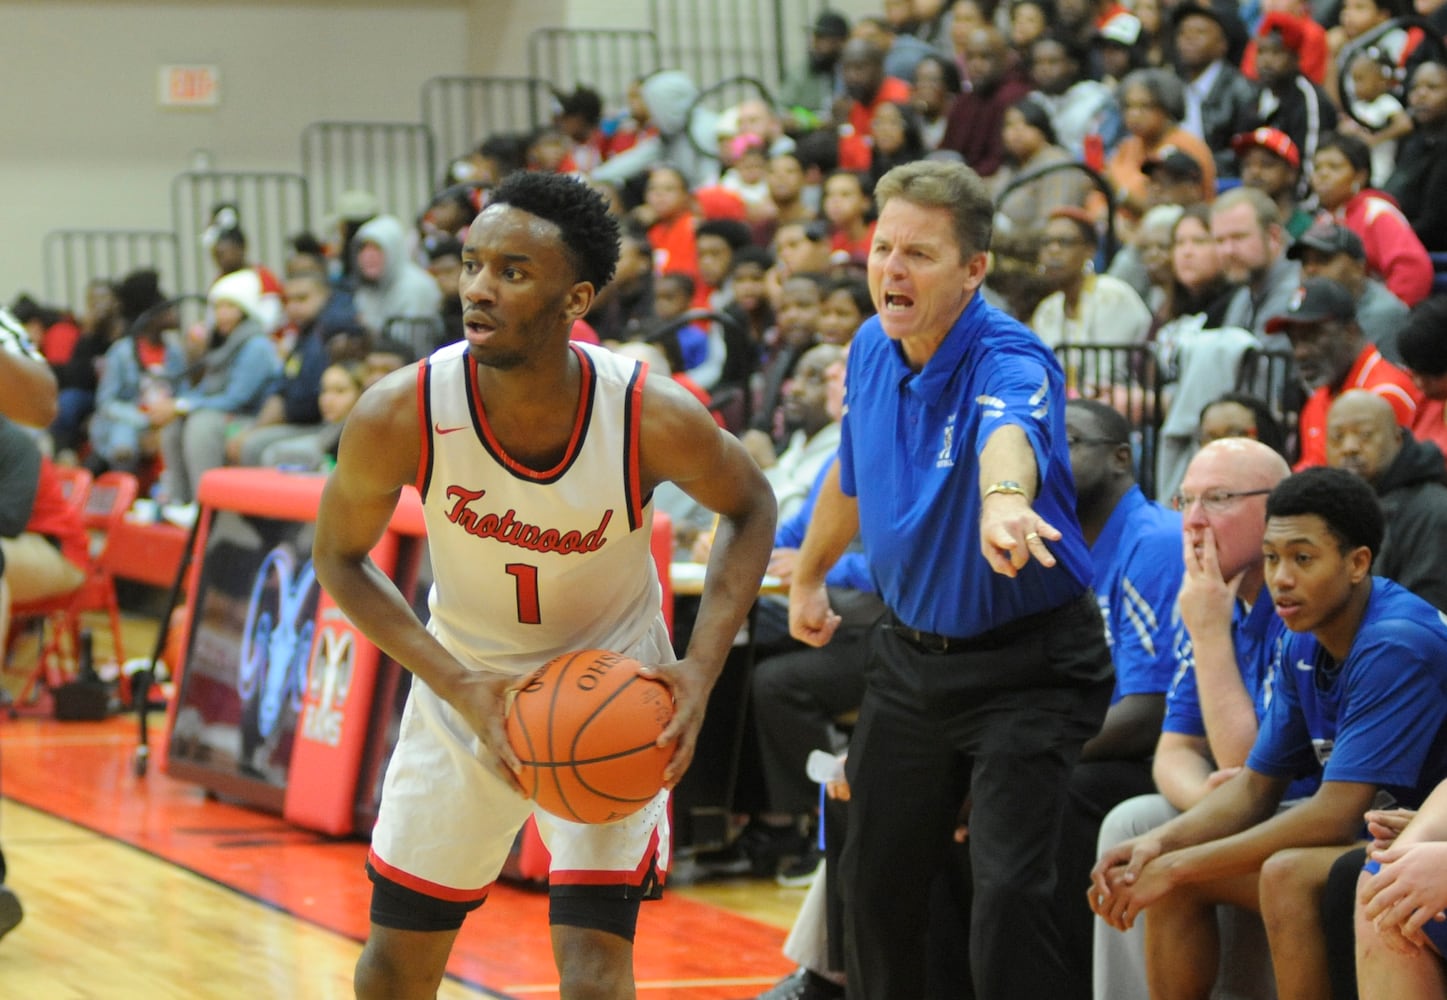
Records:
x=1249, y=199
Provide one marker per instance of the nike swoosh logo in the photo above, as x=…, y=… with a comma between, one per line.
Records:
x=448, y=430
x=1303, y=665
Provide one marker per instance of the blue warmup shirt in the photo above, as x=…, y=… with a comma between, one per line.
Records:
x=1138, y=570
x=852, y=569
x=909, y=452
x=1380, y=717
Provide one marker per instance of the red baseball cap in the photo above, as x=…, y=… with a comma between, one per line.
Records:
x=1270, y=139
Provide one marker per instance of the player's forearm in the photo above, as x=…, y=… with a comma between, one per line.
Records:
x=372, y=602
x=1227, y=809
x=831, y=531
x=1430, y=823
x=1226, y=707
x=740, y=554
x=1129, y=731
x=1324, y=820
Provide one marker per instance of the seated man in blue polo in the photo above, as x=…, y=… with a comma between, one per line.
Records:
x=1135, y=551
x=1360, y=699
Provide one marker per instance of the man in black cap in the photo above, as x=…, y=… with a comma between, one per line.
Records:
x=1220, y=102
x=1332, y=356
x=809, y=95
x=1175, y=179
x=1331, y=250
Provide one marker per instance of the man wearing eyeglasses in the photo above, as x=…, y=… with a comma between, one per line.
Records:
x=1226, y=633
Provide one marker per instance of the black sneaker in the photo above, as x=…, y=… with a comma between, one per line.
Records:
x=10, y=910
x=803, y=985
x=798, y=873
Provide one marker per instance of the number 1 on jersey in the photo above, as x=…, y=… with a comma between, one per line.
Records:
x=527, y=586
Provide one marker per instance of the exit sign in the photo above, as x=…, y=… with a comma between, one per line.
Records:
x=190, y=86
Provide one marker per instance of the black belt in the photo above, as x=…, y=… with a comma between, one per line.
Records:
x=926, y=642
x=934, y=643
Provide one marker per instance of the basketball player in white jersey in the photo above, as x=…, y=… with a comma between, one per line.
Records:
x=536, y=459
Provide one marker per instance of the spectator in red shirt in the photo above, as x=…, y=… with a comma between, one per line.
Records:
x=1332, y=356
x=671, y=231
x=1341, y=173
x=865, y=89
x=848, y=205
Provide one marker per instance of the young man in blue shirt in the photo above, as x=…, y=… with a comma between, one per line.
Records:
x=1360, y=698
x=992, y=669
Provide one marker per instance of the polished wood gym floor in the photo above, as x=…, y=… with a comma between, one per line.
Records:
x=147, y=888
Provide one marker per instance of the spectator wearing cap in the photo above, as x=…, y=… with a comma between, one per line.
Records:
x=866, y=88
x=977, y=117
x=1293, y=19
x=1424, y=356
x=1271, y=163
x=1332, y=357
x=1288, y=100
x=1175, y=179
x=1341, y=177
x=1113, y=43
x=1083, y=307
x=1078, y=106
x=1219, y=101
x=809, y=94
x=1152, y=103
x=1331, y=250
x=1362, y=437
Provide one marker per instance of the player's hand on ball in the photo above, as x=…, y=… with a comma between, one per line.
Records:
x=481, y=699
x=690, y=698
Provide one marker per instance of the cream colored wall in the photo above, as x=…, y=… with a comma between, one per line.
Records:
x=87, y=146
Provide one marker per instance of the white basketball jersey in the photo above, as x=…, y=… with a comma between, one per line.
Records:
x=531, y=564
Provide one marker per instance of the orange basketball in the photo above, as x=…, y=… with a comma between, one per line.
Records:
x=585, y=728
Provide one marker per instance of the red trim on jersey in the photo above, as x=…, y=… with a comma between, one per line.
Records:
x=633, y=432
x=591, y=876
x=426, y=888
x=424, y=416
x=575, y=443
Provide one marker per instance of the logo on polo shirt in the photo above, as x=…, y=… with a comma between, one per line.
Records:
x=946, y=457
x=1323, y=750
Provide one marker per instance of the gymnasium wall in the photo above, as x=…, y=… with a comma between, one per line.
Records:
x=87, y=144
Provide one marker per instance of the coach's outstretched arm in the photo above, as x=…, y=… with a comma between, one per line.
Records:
x=682, y=444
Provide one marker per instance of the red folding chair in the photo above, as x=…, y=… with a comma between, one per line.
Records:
x=103, y=503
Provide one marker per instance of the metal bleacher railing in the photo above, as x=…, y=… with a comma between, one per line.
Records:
x=75, y=257
x=1126, y=377
x=462, y=110
x=395, y=161
x=731, y=48
x=606, y=59
x=271, y=206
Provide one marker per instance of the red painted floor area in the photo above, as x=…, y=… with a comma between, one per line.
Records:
x=83, y=772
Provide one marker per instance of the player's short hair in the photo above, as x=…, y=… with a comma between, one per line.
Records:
x=1344, y=501
x=1110, y=422
x=589, y=232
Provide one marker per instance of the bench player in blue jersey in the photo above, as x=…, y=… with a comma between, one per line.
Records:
x=1360, y=698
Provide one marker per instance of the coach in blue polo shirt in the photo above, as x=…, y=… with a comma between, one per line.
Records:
x=992, y=669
